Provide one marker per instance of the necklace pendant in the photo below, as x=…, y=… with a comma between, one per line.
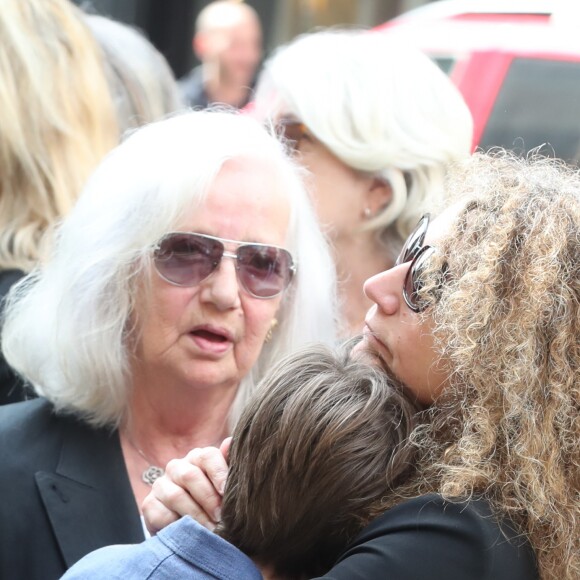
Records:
x=151, y=474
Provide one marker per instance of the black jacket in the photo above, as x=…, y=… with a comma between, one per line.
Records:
x=12, y=387
x=64, y=492
x=427, y=537
x=193, y=92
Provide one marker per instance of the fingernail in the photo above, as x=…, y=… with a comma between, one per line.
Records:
x=217, y=514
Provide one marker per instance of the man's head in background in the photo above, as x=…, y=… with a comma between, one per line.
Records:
x=228, y=39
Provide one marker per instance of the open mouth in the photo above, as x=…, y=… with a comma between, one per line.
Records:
x=210, y=336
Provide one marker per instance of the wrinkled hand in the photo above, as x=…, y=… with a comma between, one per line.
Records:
x=191, y=486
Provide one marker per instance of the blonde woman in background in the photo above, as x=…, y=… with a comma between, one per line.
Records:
x=377, y=124
x=57, y=120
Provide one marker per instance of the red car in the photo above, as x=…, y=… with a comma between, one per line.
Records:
x=518, y=70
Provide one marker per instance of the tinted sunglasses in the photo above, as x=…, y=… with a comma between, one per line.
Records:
x=415, y=252
x=293, y=132
x=186, y=259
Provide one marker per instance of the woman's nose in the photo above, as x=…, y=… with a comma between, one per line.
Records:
x=222, y=287
x=386, y=289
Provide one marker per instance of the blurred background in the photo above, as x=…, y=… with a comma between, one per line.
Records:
x=169, y=24
x=516, y=62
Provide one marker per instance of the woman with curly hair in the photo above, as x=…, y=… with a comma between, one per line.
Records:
x=487, y=335
x=480, y=320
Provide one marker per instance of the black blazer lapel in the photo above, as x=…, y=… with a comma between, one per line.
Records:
x=89, y=500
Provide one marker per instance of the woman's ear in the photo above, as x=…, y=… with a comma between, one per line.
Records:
x=378, y=196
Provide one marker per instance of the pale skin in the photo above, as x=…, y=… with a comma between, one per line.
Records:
x=183, y=384
x=194, y=485
x=344, y=198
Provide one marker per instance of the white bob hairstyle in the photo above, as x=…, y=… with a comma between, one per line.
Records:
x=381, y=107
x=68, y=325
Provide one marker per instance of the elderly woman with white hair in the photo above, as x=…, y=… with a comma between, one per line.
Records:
x=377, y=124
x=190, y=264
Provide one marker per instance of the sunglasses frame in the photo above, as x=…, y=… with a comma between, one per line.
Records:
x=415, y=241
x=225, y=254
x=410, y=275
x=412, y=251
x=293, y=140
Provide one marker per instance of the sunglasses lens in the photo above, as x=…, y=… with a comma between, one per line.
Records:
x=414, y=281
x=293, y=133
x=414, y=241
x=187, y=259
x=264, y=271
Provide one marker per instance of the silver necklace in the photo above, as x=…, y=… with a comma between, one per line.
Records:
x=152, y=472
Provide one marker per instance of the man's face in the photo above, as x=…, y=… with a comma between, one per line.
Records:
x=235, y=49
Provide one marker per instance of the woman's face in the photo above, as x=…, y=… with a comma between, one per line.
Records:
x=401, y=338
x=340, y=194
x=211, y=334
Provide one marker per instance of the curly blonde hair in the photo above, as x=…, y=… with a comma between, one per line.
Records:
x=507, y=323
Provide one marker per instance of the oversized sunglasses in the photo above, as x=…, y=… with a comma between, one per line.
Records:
x=418, y=254
x=293, y=131
x=186, y=259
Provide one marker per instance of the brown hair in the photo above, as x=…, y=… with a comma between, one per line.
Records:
x=323, y=441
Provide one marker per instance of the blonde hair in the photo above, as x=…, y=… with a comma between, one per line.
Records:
x=508, y=325
x=56, y=121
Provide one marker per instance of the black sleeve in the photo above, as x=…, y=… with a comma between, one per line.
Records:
x=12, y=387
x=427, y=537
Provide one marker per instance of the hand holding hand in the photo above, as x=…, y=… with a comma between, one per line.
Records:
x=193, y=485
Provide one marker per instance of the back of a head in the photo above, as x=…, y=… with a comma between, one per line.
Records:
x=312, y=456
x=380, y=106
x=143, y=85
x=56, y=120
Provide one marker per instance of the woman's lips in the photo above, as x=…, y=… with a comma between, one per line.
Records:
x=212, y=339
x=374, y=343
